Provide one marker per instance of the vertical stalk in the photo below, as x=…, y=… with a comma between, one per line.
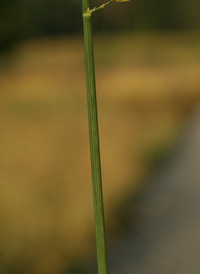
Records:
x=94, y=140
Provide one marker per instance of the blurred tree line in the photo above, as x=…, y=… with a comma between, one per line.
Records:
x=20, y=19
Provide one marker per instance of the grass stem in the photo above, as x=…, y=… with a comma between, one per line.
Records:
x=102, y=6
x=94, y=140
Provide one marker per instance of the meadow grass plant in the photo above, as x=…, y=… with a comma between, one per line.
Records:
x=94, y=134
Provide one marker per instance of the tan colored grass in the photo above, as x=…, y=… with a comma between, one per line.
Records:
x=46, y=195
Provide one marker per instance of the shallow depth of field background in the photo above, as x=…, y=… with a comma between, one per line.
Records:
x=148, y=85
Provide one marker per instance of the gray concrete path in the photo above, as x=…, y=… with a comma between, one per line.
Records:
x=168, y=238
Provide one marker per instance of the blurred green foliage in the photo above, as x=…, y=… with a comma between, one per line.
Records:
x=21, y=19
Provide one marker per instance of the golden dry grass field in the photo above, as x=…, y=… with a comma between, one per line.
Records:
x=147, y=85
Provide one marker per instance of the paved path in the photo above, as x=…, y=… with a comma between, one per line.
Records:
x=168, y=238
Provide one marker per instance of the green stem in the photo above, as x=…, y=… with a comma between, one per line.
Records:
x=102, y=6
x=94, y=140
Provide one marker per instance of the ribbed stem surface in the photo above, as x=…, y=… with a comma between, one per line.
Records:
x=94, y=141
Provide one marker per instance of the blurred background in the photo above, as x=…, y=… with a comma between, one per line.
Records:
x=147, y=65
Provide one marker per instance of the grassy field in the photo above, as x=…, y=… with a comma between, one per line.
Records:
x=147, y=86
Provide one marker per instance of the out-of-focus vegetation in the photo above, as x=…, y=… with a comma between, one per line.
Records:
x=147, y=85
x=21, y=19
